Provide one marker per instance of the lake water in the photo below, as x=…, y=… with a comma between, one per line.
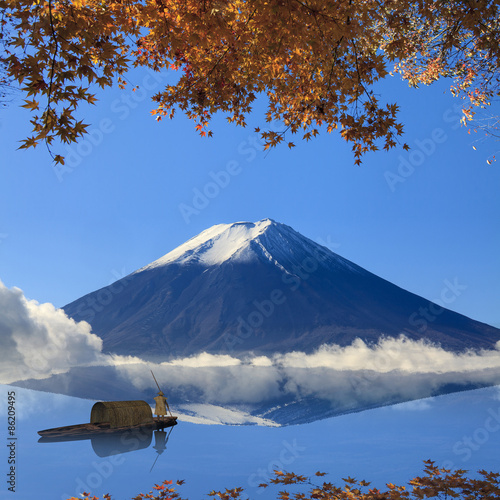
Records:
x=381, y=445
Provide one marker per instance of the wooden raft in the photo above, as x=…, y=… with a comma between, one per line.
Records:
x=108, y=417
x=86, y=430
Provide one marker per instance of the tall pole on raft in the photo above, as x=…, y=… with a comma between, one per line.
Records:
x=166, y=402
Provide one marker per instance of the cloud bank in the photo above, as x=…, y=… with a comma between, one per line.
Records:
x=349, y=378
x=38, y=341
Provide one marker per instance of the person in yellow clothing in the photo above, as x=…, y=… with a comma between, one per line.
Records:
x=161, y=401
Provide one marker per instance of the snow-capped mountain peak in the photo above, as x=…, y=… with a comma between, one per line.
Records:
x=265, y=288
x=246, y=242
x=216, y=244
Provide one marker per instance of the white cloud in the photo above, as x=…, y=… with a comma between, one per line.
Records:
x=204, y=359
x=261, y=361
x=38, y=340
x=391, y=354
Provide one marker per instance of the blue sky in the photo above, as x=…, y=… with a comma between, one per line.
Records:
x=422, y=219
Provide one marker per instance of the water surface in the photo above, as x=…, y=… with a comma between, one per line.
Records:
x=388, y=444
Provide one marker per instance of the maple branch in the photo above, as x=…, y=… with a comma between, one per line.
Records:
x=359, y=74
x=314, y=12
x=334, y=61
x=56, y=49
x=52, y=68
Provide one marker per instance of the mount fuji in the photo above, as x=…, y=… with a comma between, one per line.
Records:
x=262, y=288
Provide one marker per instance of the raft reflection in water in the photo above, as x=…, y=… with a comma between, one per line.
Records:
x=118, y=442
x=137, y=439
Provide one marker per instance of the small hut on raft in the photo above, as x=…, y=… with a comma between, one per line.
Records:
x=121, y=413
x=111, y=417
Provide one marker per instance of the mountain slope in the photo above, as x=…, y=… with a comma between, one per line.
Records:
x=265, y=288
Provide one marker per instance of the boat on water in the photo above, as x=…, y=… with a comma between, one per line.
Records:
x=111, y=417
